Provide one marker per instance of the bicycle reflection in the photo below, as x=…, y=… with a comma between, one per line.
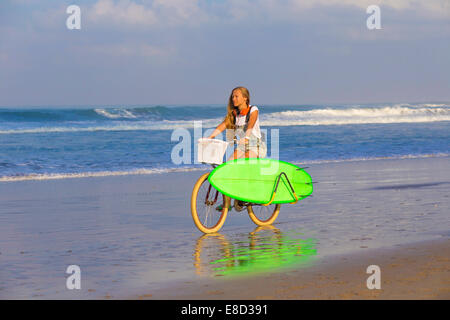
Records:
x=266, y=248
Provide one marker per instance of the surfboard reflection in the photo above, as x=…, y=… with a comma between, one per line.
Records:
x=265, y=249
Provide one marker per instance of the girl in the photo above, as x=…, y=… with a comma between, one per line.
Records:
x=242, y=120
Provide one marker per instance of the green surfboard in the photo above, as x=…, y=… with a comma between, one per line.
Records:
x=254, y=180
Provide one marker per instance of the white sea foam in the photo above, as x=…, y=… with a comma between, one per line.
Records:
x=123, y=126
x=75, y=129
x=329, y=116
x=431, y=105
x=120, y=113
x=57, y=176
x=400, y=113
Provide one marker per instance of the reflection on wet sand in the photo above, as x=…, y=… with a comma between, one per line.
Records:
x=264, y=249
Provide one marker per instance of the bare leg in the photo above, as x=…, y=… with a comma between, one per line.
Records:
x=251, y=154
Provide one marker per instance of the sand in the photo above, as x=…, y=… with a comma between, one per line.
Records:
x=133, y=237
x=415, y=271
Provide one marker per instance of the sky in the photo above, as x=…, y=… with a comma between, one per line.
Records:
x=188, y=52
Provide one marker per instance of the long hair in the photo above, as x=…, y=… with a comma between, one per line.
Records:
x=230, y=118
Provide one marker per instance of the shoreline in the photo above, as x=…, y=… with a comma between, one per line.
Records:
x=418, y=270
x=196, y=168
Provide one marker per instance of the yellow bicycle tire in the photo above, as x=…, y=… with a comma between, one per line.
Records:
x=266, y=222
x=194, y=209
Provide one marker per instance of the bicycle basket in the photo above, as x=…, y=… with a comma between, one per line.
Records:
x=211, y=151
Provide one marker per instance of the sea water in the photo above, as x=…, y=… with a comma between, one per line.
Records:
x=51, y=142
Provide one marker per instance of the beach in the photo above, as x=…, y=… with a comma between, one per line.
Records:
x=419, y=271
x=133, y=237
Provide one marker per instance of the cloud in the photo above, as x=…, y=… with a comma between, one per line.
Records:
x=127, y=13
x=122, y=13
x=162, y=13
x=430, y=6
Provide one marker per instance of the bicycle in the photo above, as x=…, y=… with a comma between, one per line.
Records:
x=204, y=200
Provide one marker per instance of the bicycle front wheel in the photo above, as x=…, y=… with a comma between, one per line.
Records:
x=204, y=201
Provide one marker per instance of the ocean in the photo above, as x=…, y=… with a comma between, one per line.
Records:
x=43, y=143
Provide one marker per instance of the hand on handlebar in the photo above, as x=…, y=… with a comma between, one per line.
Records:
x=243, y=141
x=210, y=137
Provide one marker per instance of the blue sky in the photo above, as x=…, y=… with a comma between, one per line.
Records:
x=195, y=51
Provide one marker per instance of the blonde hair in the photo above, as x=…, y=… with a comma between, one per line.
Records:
x=230, y=118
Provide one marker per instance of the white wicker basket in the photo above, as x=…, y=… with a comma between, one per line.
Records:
x=211, y=151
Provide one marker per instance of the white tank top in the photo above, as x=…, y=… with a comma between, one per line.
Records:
x=240, y=121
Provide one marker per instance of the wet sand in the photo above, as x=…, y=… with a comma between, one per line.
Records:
x=415, y=271
x=133, y=237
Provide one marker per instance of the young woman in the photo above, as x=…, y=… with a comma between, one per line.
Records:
x=242, y=121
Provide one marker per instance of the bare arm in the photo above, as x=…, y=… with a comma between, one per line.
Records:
x=221, y=127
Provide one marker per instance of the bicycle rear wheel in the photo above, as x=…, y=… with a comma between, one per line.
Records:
x=204, y=201
x=263, y=215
